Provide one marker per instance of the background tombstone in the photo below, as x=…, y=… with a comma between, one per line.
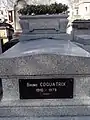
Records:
x=80, y=27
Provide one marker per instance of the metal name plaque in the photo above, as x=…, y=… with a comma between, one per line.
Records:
x=46, y=88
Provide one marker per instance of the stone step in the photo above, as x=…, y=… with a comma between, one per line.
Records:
x=46, y=118
x=58, y=111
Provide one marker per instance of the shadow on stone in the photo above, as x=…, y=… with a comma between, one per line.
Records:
x=1, y=89
x=9, y=44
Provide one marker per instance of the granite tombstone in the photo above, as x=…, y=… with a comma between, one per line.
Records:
x=45, y=77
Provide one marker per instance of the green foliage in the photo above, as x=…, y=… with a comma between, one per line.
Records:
x=43, y=9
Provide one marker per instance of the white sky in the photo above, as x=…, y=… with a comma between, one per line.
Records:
x=4, y=2
x=62, y=1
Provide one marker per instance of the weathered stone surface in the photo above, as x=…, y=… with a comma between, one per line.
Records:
x=45, y=57
x=83, y=39
x=80, y=27
x=81, y=24
x=30, y=37
x=48, y=111
x=47, y=118
x=81, y=94
x=44, y=24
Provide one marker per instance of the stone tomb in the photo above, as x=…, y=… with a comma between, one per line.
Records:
x=45, y=79
x=52, y=64
x=80, y=28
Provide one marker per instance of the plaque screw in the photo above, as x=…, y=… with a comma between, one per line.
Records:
x=71, y=96
x=20, y=80
x=21, y=97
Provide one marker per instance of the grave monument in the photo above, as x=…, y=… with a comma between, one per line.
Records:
x=45, y=76
x=80, y=33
